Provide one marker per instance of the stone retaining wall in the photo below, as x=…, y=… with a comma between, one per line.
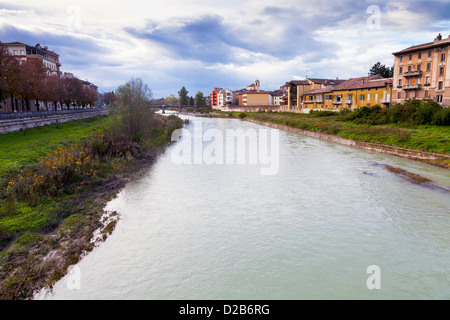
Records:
x=12, y=125
x=397, y=151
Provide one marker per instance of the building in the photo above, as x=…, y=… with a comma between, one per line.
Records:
x=277, y=97
x=208, y=101
x=254, y=86
x=25, y=52
x=215, y=97
x=260, y=99
x=420, y=72
x=350, y=94
x=225, y=97
x=296, y=89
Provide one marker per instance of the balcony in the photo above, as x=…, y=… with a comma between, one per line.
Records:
x=416, y=73
x=412, y=87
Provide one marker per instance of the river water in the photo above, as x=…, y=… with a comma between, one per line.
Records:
x=330, y=223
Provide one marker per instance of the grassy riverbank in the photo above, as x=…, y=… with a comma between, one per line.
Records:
x=55, y=182
x=416, y=126
x=421, y=137
x=27, y=147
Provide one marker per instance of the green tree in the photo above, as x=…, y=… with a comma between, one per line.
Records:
x=382, y=70
x=183, y=95
x=200, y=99
x=171, y=100
x=137, y=119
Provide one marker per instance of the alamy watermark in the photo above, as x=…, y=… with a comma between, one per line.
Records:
x=74, y=18
x=374, y=280
x=232, y=147
x=73, y=281
x=374, y=20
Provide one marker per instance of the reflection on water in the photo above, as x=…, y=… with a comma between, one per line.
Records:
x=308, y=232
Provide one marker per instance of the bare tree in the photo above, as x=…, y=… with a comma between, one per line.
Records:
x=137, y=117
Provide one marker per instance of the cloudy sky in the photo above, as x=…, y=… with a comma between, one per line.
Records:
x=206, y=43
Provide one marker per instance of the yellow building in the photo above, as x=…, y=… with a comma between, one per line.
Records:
x=297, y=88
x=257, y=99
x=351, y=94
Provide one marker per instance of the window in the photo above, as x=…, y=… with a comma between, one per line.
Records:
x=338, y=99
x=399, y=95
x=418, y=80
x=443, y=57
x=441, y=71
x=427, y=80
x=401, y=70
x=408, y=81
x=420, y=55
x=409, y=68
x=22, y=52
x=401, y=59
x=15, y=52
x=361, y=97
x=368, y=97
x=439, y=98
x=440, y=85
x=400, y=82
x=430, y=53
x=376, y=96
x=419, y=67
x=410, y=57
x=428, y=66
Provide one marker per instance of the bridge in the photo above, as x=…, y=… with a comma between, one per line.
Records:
x=196, y=109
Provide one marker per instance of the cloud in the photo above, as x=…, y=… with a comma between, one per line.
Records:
x=211, y=39
x=206, y=43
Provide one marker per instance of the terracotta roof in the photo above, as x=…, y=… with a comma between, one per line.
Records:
x=327, y=82
x=298, y=82
x=317, y=91
x=428, y=45
x=15, y=43
x=364, y=83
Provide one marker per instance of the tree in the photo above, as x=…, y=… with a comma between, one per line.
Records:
x=183, y=95
x=32, y=75
x=109, y=98
x=381, y=70
x=200, y=99
x=171, y=100
x=9, y=76
x=191, y=101
x=137, y=118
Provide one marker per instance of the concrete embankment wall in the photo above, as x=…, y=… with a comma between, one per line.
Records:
x=432, y=158
x=11, y=125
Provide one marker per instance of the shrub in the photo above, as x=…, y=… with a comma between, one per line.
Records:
x=242, y=115
x=441, y=118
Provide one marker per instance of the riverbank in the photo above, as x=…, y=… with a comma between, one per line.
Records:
x=51, y=211
x=441, y=160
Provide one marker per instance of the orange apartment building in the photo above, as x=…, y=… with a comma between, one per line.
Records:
x=420, y=72
x=215, y=97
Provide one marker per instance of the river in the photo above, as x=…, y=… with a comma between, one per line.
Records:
x=328, y=223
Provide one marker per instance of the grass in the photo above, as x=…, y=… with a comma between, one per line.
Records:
x=26, y=147
x=55, y=182
x=428, y=138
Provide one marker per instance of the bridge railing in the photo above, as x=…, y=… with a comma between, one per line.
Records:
x=34, y=114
